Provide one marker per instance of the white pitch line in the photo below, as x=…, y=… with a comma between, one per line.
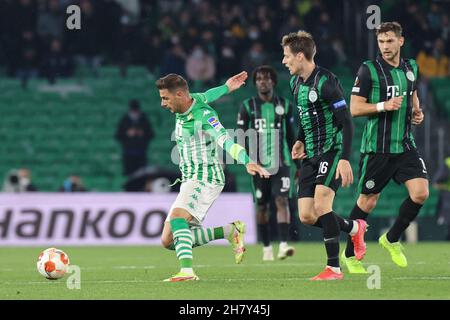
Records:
x=360, y=279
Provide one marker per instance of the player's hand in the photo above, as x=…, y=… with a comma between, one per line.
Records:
x=393, y=104
x=344, y=170
x=298, y=151
x=253, y=168
x=417, y=116
x=236, y=81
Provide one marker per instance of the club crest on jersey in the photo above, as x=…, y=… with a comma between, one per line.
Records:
x=410, y=76
x=190, y=116
x=370, y=184
x=312, y=96
x=279, y=110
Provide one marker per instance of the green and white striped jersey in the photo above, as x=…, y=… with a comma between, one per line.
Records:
x=198, y=131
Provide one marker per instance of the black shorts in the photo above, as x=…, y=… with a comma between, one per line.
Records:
x=376, y=169
x=319, y=170
x=277, y=185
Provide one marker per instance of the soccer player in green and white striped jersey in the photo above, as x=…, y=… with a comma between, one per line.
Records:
x=197, y=132
x=385, y=91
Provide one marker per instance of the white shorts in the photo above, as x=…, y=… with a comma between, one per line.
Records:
x=196, y=197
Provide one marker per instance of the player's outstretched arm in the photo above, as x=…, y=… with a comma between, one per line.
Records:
x=232, y=84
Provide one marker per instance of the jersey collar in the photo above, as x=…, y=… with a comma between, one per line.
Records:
x=387, y=65
x=312, y=76
x=190, y=108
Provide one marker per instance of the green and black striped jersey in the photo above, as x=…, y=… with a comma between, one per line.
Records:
x=272, y=122
x=378, y=81
x=318, y=99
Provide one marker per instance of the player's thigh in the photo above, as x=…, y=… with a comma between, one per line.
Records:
x=375, y=171
x=307, y=179
x=410, y=165
x=326, y=171
x=195, y=198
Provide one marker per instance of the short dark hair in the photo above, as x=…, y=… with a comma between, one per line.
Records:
x=300, y=41
x=266, y=69
x=172, y=82
x=393, y=26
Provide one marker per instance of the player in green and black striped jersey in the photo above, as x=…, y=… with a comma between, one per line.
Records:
x=267, y=121
x=197, y=132
x=324, y=143
x=385, y=91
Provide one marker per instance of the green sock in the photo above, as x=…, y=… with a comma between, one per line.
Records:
x=182, y=239
x=202, y=236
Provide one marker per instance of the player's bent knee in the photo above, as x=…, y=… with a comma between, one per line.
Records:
x=368, y=203
x=308, y=219
x=167, y=243
x=420, y=196
x=321, y=208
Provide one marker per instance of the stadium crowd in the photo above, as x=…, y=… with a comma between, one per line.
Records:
x=201, y=39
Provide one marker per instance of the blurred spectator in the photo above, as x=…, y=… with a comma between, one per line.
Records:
x=50, y=21
x=134, y=133
x=18, y=181
x=157, y=33
x=28, y=66
x=73, y=184
x=254, y=57
x=174, y=61
x=441, y=182
x=432, y=61
x=56, y=63
x=85, y=43
x=200, y=66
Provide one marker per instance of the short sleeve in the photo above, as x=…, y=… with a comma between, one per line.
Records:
x=363, y=81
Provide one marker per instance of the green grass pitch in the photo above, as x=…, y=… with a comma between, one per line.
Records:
x=136, y=273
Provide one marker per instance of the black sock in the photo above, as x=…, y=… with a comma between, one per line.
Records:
x=283, y=229
x=331, y=237
x=356, y=213
x=264, y=232
x=345, y=225
x=407, y=213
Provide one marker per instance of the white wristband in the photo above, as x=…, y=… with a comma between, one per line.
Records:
x=380, y=107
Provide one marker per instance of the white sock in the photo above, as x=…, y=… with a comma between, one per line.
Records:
x=335, y=269
x=226, y=230
x=283, y=244
x=355, y=228
x=268, y=248
x=187, y=270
